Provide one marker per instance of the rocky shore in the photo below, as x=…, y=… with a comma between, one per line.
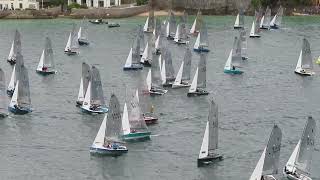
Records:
x=128, y=11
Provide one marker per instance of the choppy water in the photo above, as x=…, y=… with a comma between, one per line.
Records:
x=53, y=141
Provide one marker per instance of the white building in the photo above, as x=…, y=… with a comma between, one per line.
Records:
x=96, y=3
x=18, y=4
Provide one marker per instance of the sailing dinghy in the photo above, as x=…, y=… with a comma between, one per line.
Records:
x=72, y=43
x=239, y=22
x=15, y=48
x=46, y=64
x=299, y=164
x=183, y=76
x=207, y=154
x=202, y=42
x=181, y=33
x=15, y=74
x=20, y=102
x=304, y=66
x=134, y=127
x=167, y=70
x=149, y=24
x=140, y=40
x=3, y=96
x=195, y=29
x=146, y=56
x=83, y=33
x=171, y=26
x=84, y=82
x=153, y=81
x=268, y=163
x=265, y=20
x=199, y=82
x=158, y=34
x=107, y=141
x=255, y=28
x=147, y=108
x=94, y=100
x=234, y=59
x=277, y=19
x=132, y=62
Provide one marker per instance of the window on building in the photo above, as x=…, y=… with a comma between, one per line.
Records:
x=101, y=4
x=0, y=6
x=20, y=6
x=91, y=3
x=112, y=2
x=12, y=6
x=83, y=2
x=32, y=6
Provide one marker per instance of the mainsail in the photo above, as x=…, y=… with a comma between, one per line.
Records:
x=3, y=96
x=74, y=39
x=186, y=64
x=97, y=97
x=169, y=67
x=46, y=59
x=202, y=71
x=271, y=161
x=24, y=90
x=135, y=116
x=213, y=126
x=16, y=46
x=304, y=157
x=113, y=127
x=236, y=53
x=267, y=18
x=204, y=42
x=306, y=61
x=243, y=40
x=155, y=73
x=83, y=30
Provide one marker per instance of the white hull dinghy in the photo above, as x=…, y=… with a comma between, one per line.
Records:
x=199, y=82
x=183, y=76
x=72, y=45
x=305, y=66
x=46, y=64
x=15, y=48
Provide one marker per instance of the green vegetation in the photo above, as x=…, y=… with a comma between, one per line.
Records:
x=273, y=3
x=74, y=6
x=142, y=2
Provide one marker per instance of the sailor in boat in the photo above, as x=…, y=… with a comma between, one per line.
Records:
x=233, y=68
x=44, y=69
x=94, y=107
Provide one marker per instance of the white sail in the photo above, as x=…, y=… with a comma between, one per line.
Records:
x=145, y=27
x=194, y=83
x=40, y=65
x=273, y=20
x=12, y=79
x=14, y=99
x=236, y=23
x=204, y=151
x=99, y=140
x=157, y=43
x=197, y=43
x=177, y=35
x=81, y=92
x=149, y=80
x=257, y=173
x=87, y=98
x=160, y=57
x=299, y=63
x=68, y=45
x=163, y=72
x=129, y=59
x=252, y=32
x=193, y=28
x=291, y=162
x=168, y=30
x=261, y=22
x=125, y=120
x=145, y=53
x=79, y=33
x=11, y=53
x=178, y=79
x=229, y=61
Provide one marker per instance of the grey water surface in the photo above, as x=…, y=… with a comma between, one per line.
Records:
x=53, y=141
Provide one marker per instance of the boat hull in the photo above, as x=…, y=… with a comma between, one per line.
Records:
x=158, y=51
x=170, y=37
x=264, y=27
x=169, y=84
x=70, y=53
x=150, y=120
x=107, y=151
x=11, y=61
x=305, y=73
x=176, y=86
x=97, y=111
x=201, y=50
x=274, y=27
x=200, y=93
x=10, y=92
x=113, y=25
x=238, y=27
x=146, y=63
x=181, y=42
x=293, y=176
x=209, y=160
x=83, y=42
x=19, y=111
x=133, y=67
x=46, y=72
x=137, y=136
x=98, y=22
x=230, y=71
x=158, y=92
x=79, y=103
x=254, y=36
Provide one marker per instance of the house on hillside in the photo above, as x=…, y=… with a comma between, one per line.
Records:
x=96, y=3
x=18, y=4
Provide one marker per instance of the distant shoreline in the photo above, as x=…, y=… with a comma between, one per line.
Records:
x=139, y=11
